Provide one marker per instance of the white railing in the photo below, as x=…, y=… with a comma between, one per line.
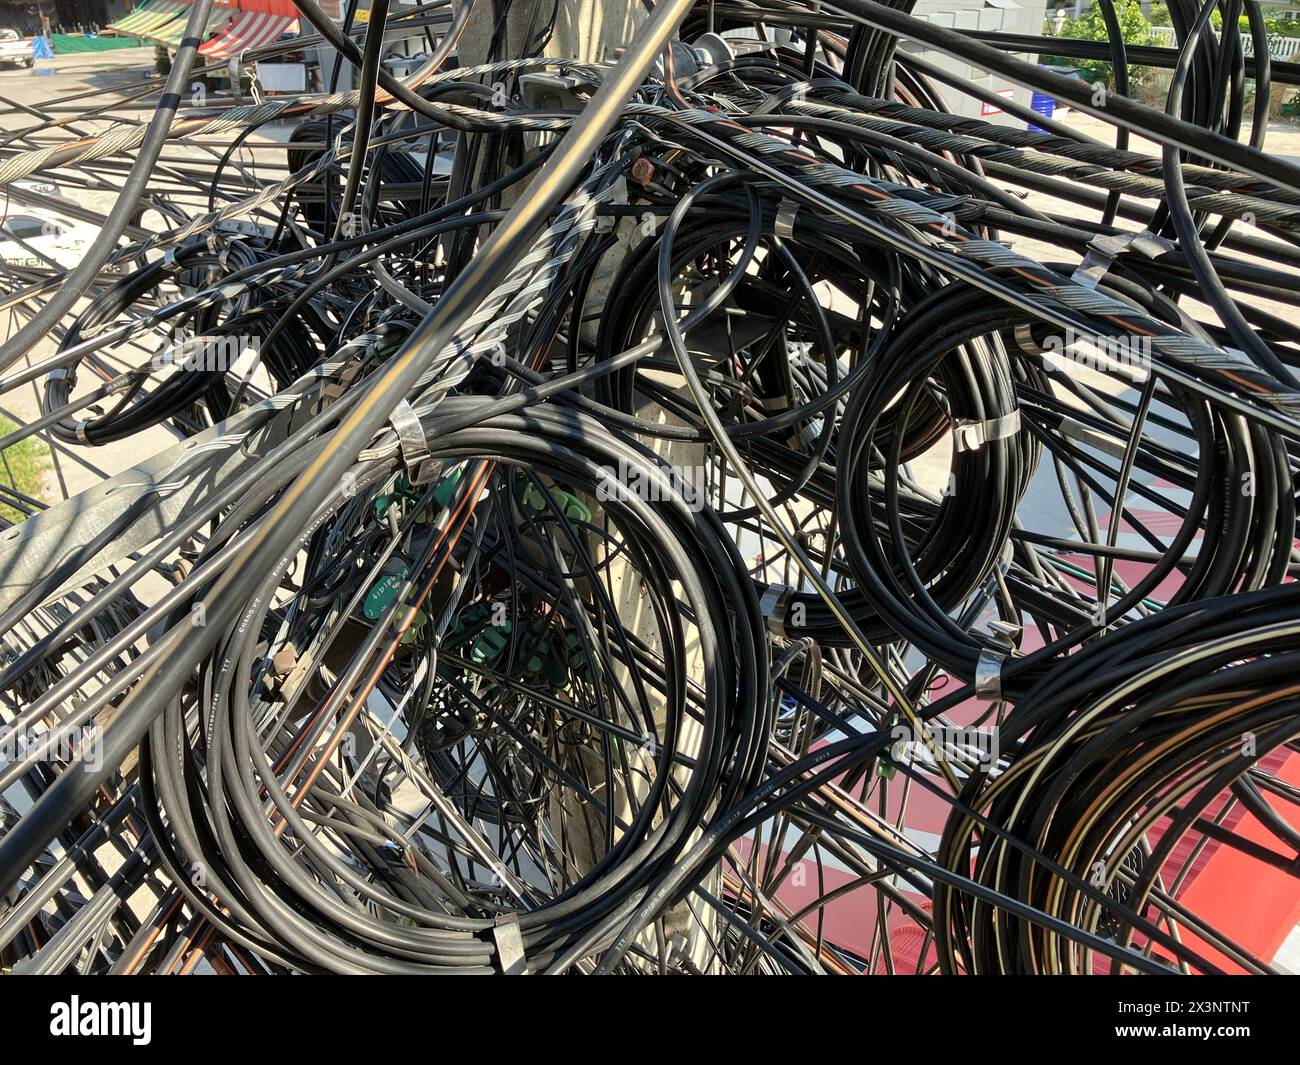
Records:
x=1279, y=48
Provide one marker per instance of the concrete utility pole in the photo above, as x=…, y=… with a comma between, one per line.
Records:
x=595, y=31
x=590, y=31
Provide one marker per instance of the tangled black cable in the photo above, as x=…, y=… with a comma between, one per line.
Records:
x=720, y=508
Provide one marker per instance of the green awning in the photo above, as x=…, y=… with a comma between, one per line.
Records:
x=172, y=33
x=147, y=19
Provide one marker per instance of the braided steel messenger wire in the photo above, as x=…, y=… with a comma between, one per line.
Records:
x=698, y=504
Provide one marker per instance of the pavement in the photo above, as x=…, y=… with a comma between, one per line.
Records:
x=74, y=469
x=65, y=73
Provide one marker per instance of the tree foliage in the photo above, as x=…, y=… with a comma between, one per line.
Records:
x=1134, y=28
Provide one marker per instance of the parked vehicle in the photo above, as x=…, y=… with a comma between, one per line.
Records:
x=42, y=237
x=15, y=50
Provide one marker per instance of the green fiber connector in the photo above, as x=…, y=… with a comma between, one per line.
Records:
x=401, y=490
x=545, y=664
x=567, y=503
x=384, y=591
x=556, y=671
x=446, y=488
x=541, y=663
x=490, y=643
x=416, y=627
x=467, y=624
x=576, y=657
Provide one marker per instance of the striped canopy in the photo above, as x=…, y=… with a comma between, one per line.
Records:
x=251, y=29
x=147, y=19
x=173, y=32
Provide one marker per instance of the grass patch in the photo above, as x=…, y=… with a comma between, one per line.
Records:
x=22, y=468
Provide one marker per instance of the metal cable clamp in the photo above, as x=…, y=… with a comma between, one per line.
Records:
x=773, y=606
x=1104, y=250
x=419, y=460
x=971, y=435
x=510, y=945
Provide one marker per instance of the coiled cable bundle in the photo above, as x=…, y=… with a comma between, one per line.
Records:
x=263, y=887
x=714, y=506
x=1122, y=767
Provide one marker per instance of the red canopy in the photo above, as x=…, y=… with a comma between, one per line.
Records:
x=248, y=30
